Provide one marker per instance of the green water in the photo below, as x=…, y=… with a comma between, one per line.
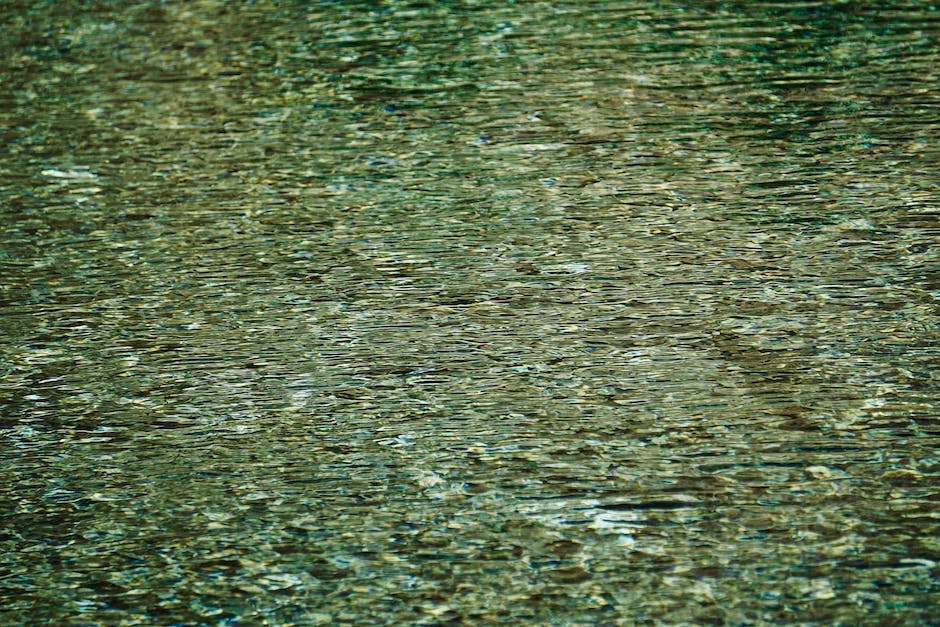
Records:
x=535, y=313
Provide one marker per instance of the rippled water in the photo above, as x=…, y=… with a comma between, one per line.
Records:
x=562, y=313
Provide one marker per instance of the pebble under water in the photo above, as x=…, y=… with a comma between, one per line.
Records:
x=469, y=312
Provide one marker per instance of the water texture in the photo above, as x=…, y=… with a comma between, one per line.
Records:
x=536, y=313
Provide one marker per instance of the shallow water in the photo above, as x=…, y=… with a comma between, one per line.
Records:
x=557, y=313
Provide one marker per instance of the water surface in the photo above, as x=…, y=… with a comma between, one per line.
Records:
x=561, y=313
